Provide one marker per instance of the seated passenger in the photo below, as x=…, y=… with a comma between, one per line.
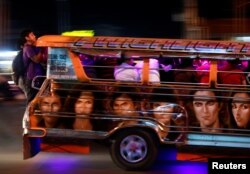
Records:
x=88, y=63
x=105, y=67
x=186, y=72
x=154, y=74
x=126, y=70
x=166, y=66
x=233, y=74
x=203, y=71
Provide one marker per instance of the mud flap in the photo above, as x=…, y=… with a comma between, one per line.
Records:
x=31, y=146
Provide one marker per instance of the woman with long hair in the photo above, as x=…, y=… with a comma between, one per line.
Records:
x=240, y=110
x=207, y=111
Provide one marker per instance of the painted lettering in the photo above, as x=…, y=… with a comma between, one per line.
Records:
x=206, y=46
x=168, y=44
x=179, y=45
x=142, y=44
x=165, y=45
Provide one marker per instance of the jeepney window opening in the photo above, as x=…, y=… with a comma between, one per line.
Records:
x=116, y=55
x=183, y=88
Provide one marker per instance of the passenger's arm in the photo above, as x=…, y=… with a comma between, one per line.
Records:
x=37, y=58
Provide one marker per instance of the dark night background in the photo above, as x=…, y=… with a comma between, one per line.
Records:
x=127, y=18
x=111, y=18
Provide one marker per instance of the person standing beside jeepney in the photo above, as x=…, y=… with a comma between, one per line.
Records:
x=33, y=58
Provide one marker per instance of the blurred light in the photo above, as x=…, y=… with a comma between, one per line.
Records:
x=79, y=33
x=8, y=53
x=6, y=58
x=5, y=62
x=242, y=38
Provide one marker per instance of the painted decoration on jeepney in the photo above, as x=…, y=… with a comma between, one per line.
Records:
x=60, y=65
x=147, y=44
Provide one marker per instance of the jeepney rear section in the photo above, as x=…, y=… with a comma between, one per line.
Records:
x=74, y=107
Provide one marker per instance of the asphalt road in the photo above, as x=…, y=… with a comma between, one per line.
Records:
x=98, y=161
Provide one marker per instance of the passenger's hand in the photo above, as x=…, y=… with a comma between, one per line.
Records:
x=166, y=68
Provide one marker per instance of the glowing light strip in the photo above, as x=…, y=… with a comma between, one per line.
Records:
x=218, y=140
x=220, y=144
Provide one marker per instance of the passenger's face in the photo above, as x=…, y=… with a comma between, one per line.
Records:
x=50, y=104
x=131, y=61
x=206, y=111
x=124, y=105
x=241, y=110
x=85, y=103
x=162, y=111
x=31, y=37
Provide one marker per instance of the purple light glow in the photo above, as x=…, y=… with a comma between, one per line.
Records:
x=100, y=162
x=167, y=162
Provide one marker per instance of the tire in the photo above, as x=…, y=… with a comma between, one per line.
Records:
x=134, y=150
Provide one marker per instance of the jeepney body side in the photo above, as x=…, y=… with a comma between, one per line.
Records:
x=64, y=68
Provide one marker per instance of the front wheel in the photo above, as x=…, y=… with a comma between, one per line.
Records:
x=134, y=150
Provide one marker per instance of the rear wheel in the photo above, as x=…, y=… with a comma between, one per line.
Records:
x=134, y=150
